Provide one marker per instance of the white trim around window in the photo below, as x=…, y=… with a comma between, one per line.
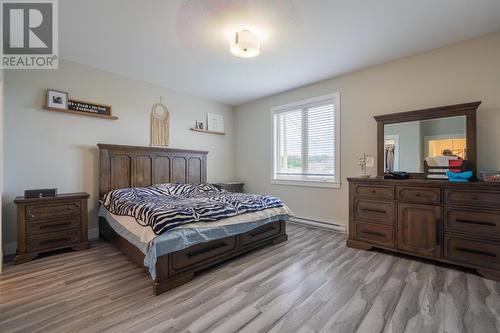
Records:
x=304, y=178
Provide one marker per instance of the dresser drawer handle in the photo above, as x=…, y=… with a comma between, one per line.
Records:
x=417, y=194
x=474, y=197
x=205, y=250
x=55, y=225
x=373, y=233
x=483, y=253
x=374, y=191
x=49, y=241
x=372, y=210
x=489, y=224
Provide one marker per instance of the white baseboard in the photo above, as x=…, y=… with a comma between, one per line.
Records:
x=10, y=248
x=319, y=224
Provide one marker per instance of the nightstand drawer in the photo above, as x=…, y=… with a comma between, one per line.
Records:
x=53, y=225
x=53, y=240
x=46, y=212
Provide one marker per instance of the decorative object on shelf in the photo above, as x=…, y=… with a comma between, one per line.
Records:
x=364, y=162
x=60, y=102
x=40, y=193
x=490, y=176
x=215, y=122
x=88, y=107
x=200, y=125
x=57, y=99
x=159, y=124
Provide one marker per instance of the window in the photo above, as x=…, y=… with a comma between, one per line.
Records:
x=306, y=142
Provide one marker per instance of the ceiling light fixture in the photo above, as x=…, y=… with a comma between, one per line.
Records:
x=245, y=44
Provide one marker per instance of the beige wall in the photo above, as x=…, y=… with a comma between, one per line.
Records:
x=464, y=72
x=52, y=149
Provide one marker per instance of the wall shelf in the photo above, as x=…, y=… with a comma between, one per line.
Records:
x=207, y=131
x=81, y=113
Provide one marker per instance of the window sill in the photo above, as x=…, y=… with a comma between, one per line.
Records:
x=305, y=183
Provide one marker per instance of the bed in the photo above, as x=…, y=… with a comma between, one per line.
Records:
x=169, y=259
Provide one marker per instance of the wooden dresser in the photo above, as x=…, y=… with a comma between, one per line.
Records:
x=46, y=224
x=436, y=219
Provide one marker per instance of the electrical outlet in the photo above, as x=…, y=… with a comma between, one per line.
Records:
x=370, y=162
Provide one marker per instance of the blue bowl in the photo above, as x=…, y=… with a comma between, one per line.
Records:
x=459, y=175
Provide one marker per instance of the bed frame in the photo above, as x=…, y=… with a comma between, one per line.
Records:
x=132, y=166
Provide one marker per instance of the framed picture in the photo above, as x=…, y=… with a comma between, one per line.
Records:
x=215, y=122
x=57, y=99
x=200, y=125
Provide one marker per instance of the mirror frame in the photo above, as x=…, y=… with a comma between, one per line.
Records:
x=467, y=109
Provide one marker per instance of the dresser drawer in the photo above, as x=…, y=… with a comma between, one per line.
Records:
x=202, y=252
x=475, y=222
x=470, y=251
x=375, y=233
x=34, y=227
x=374, y=191
x=428, y=195
x=472, y=198
x=53, y=240
x=45, y=212
x=375, y=211
x=261, y=233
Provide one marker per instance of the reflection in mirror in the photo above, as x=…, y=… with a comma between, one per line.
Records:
x=437, y=141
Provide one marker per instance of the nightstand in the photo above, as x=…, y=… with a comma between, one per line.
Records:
x=47, y=224
x=230, y=186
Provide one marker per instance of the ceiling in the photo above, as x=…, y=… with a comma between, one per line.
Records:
x=184, y=45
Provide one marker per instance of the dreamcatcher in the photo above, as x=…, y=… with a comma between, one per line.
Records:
x=159, y=124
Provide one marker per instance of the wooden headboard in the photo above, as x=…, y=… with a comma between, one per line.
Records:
x=132, y=166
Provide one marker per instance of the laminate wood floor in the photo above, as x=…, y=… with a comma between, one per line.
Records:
x=312, y=283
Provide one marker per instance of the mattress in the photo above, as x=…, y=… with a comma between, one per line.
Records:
x=184, y=236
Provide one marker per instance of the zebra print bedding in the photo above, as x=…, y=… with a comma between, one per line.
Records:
x=166, y=206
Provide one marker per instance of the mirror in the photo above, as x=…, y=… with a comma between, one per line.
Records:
x=408, y=144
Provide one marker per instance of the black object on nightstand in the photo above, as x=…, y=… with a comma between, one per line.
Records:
x=230, y=186
x=47, y=224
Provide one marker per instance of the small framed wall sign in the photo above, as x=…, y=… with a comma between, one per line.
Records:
x=83, y=106
x=57, y=99
x=215, y=122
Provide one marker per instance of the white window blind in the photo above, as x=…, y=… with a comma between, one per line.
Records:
x=305, y=141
